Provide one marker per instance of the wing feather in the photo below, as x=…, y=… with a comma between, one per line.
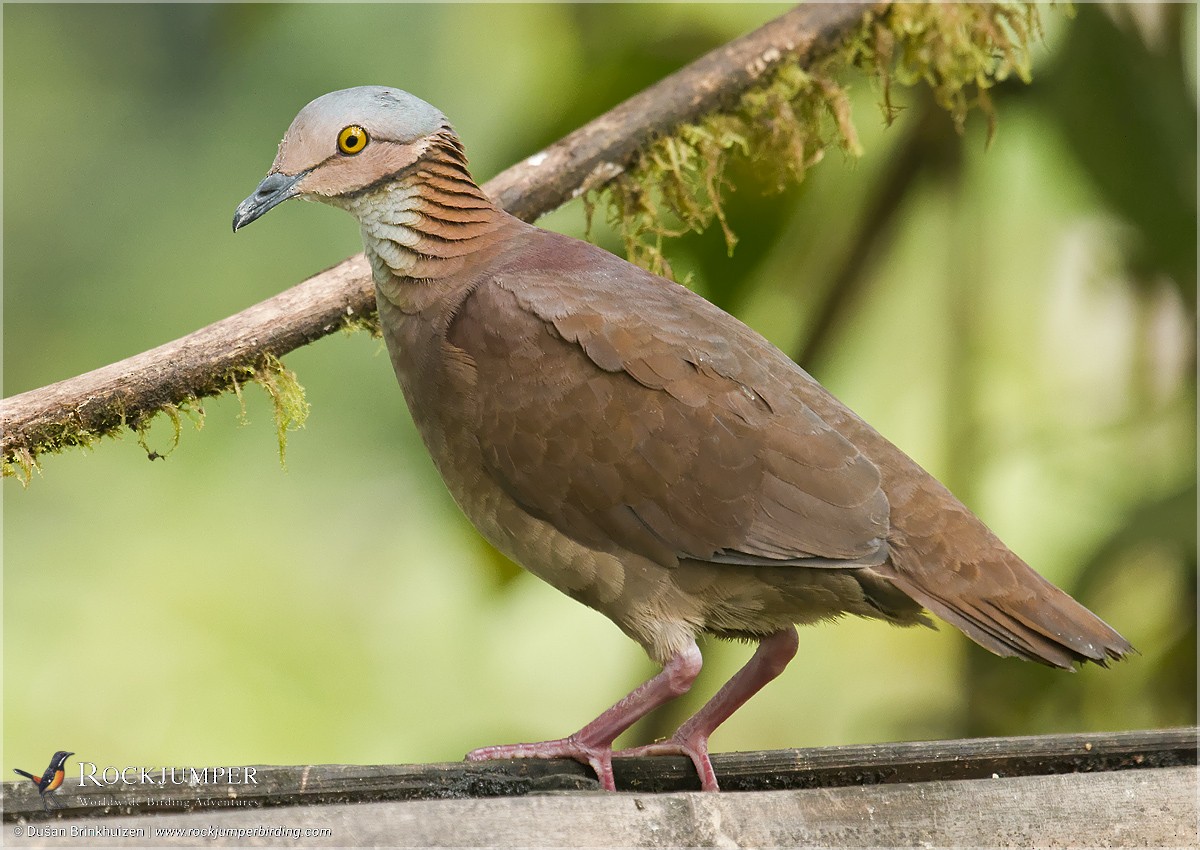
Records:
x=631, y=415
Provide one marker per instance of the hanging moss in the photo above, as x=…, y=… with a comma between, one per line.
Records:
x=190, y=407
x=287, y=396
x=368, y=323
x=290, y=406
x=958, y=50
x=788, y=123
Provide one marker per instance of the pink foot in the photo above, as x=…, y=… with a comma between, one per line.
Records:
x=599, y=757
x=694, y=747
x=691, y=739
x=593, y=743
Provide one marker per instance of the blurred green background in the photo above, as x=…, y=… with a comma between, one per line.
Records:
x=1020, y=320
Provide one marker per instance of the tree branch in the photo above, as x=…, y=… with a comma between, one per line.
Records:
x=217, y=358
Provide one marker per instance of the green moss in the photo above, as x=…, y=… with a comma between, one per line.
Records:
x=21, y=461
x=369, y=323
x=958, y=50
x=189, y=407
x=787, y=124
x=287, y=396
x=20, y=464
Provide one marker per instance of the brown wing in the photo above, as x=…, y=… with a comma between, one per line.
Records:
x=625, y=409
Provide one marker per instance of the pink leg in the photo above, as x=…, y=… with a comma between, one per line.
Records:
x=593, y=743
x=691, y=739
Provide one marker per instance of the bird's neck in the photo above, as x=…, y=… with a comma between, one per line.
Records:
x=424, y=225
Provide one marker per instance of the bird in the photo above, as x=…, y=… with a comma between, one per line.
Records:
x=637, y=448
x=51, y=778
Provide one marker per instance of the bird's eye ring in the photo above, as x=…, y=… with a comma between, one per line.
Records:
x=352, y=140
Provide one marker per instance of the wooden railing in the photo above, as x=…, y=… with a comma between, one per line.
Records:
x=1120, y=789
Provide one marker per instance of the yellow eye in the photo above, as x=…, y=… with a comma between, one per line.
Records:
x=352, y=139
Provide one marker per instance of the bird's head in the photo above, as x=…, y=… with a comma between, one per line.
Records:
x=343, y=143
x=60, y=758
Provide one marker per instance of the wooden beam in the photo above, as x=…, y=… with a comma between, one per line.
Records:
x=1127, y=808
x=826, y=767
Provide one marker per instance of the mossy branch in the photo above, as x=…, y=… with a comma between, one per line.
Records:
x=658, y=159
x=788, y=122
x=174, y=378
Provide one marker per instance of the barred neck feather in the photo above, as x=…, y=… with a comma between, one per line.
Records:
x=426, y=222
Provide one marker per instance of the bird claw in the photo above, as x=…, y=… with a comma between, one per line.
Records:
x=598, y=757
x=695, y=748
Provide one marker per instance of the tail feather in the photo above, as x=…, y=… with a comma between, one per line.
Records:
x=1059, y=621
x=966, y=576
x=992, y=629
x=1012, y=632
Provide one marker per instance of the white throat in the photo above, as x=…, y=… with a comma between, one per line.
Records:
x=389, y=218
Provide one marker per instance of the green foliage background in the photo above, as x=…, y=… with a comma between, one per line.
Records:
x=1020, y=320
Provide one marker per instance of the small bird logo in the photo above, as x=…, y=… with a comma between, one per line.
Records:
x=51, y=779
